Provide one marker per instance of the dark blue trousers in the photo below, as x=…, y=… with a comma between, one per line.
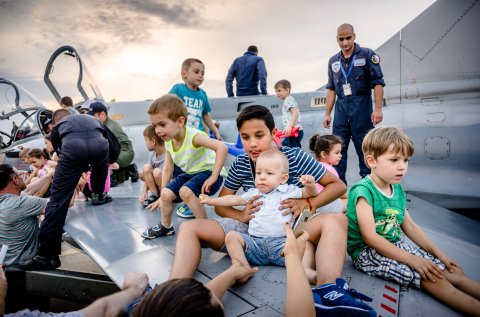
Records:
x=76, y=156
x=352, y=121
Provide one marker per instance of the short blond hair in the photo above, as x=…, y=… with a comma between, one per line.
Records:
x=188, y=62
x=171, y=105
x=276, y=154
x=378, y=141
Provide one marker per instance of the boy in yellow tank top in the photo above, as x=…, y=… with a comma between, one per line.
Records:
x=193, y=163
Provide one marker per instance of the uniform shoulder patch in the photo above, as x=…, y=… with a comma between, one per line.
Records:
x=375, y=59
x=336, y=66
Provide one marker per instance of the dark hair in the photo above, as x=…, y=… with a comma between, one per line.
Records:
x=256, y=112
x=59, y=115
x=323, y=143
x=67, y=101
x=150, y=133
x=38, y=153
x=179, y=298
x=48, y=137
x=252, y=48
x=7, y=173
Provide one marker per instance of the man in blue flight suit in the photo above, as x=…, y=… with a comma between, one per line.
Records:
x=352, y=73
x=248, y=70
x=80, y=143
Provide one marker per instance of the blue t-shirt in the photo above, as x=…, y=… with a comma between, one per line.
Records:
x=196, y=102
x=300, y=163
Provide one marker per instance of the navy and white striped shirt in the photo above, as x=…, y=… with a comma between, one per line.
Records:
x=300, y=163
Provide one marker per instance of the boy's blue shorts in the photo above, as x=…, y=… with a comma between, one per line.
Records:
x=192, y=181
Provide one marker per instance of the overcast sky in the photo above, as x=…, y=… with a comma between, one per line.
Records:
x=134, y=48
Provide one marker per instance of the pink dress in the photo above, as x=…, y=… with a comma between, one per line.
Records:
x=107, y=182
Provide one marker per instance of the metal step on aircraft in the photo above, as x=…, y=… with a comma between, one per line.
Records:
x=432, y=92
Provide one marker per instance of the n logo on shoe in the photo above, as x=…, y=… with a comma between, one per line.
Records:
x=333, y=295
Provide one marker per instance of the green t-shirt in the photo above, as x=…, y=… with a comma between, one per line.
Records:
x=388, y=213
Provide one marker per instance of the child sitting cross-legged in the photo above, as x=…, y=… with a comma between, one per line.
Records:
x=378, y=219
x=193, y=159
x=266, y=236
x=151, y=173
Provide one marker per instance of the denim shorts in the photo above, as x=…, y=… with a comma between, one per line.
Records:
x=229, y=224
x=264, y=250
x=194, y=182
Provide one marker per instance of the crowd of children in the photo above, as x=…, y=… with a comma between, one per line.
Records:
x=185, y=165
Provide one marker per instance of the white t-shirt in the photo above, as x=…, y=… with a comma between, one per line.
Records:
x=268, y=221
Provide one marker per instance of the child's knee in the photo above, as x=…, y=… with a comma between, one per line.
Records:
x=233, y=237
x=147, y=168
x=186, y=193
x=157, y=172
x=167, y=195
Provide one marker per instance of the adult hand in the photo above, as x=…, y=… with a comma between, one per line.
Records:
x=208, y=183
x=293, y=206
x=327, y=120
x=377, y=116
x=142, y=197
x=136, y=280
x=427, y=269
x=252, y=207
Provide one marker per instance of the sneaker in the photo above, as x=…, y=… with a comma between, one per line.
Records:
x=39, y=262
x=100, y=199
x=80, y=197
x=150, y=200
x=157, y=231
x=340, y=300
x=184, y=212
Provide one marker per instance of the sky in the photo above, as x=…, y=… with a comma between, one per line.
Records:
x=134, y=48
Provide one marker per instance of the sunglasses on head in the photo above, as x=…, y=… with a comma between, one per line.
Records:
x=347, y=38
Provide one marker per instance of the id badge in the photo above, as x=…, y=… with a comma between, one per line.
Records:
x=347, y=90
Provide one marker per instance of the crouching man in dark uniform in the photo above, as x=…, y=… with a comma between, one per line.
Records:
x=352, y=74
x=80, y=144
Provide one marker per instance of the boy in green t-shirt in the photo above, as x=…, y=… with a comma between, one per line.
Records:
x=377, y=220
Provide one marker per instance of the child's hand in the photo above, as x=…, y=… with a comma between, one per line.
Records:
x=287, y=131
x=142, y=197
x=155, y=205
x=307, y=180
x=218, y=136
x=426, y=268
x=208, y=183
x=449, y=262
x=204, y=199
x=294, y=247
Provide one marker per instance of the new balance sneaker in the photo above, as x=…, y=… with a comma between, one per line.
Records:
x=184, y=212
x=340, y=300
x=157, y=231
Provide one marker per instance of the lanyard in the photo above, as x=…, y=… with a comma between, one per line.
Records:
x=345, y=75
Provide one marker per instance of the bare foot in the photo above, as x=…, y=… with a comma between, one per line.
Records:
x=243, y=271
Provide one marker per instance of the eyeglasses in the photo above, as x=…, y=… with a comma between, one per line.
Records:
x=347, y=38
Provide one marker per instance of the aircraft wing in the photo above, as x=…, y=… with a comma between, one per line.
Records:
x=110, y=235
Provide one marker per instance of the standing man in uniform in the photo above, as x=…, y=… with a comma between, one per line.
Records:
x=248, y=70
x=80, y=144
x=125, y=160
x=352, y=74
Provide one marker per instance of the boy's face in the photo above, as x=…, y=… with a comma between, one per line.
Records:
x=193, y=76
x=269, y=173
x=149, y=143
x=388, y=168
x=282, y=93
x=256, y=138
x=166, y=128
